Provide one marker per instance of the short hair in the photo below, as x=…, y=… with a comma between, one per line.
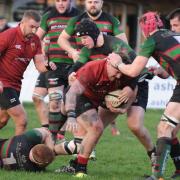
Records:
x=32, y=14
x=173, y=14
x=42, y=155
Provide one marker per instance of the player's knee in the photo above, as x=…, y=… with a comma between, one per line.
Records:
x=37, y=98
x=166, y=126
x=135, y=128
x=22, y=122
x=171, y=121
x=55, y=99
x=98, y=128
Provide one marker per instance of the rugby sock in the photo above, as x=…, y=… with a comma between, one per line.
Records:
x=162, y=152
x=54, y=119
x=82, y=164
x=175, y=153
x=61, y=133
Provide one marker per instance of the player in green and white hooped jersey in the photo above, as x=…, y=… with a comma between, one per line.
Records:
x=52, y=24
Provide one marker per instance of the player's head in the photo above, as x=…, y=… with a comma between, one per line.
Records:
x=150, y=22
x=112, y=71
x=174, y=19
x=42, y=155
x=93, y=7
x=88, y=31
x=62, y=5
x=30, y=22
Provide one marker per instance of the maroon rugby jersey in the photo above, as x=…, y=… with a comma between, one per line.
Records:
x=16, y=53
x=93, y=76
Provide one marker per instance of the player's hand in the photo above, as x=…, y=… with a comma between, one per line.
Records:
x=71, y=78
x=154, y=70
x=71, y=125
x=115, y=110
x=125, y=94
x=114, y=59
x=1, y=87
x=52, y=66
x=74, y=55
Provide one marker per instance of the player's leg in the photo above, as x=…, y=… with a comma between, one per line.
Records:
x=57, y=81
x=10, y=102
x=39, y=93
x=114, y=130
x=175, y=152
x=94, y=127
x=169, y=120
x=4, y=117
x=135, y=119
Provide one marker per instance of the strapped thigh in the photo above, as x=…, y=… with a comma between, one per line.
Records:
x=170, y=120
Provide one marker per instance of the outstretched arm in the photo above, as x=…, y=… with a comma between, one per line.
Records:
x=75, y=90
x=131, y=70
x=46, y=137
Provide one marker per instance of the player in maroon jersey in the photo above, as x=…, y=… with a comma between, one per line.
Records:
x=18, y=46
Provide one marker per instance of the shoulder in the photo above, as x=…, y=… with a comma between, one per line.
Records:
x=9, y=34
x=109, y=17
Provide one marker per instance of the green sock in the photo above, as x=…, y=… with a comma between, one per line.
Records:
x=162, y=152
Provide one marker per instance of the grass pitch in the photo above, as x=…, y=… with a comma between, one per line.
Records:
x=118, y=157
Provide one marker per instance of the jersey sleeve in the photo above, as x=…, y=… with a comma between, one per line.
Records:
x=70, y=29
x=43, y=24
x=84, y=55
x=123, y=49
x=147, y=48
x=34, y=136
x=116, y=26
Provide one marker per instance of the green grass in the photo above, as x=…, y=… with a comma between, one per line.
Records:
x=118, y=158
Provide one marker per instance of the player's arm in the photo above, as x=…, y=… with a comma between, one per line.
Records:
x=139, y=62
x=42, y=30
x=39, y=61
x=64, y=37
x=159, y=71
x=40, y=33
x=117, y=30
x=83, y=58
x=1, y=87
x=75, y=90
x=46, y=137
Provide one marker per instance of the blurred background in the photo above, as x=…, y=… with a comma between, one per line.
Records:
x=127, y=11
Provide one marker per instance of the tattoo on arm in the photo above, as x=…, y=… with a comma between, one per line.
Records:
x=75, y=90
x=89, y=118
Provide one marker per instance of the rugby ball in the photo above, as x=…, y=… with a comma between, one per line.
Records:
x=112, y=98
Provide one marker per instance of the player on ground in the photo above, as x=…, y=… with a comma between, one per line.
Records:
x=31, y=151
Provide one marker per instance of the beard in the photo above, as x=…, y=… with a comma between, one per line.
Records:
x=94, y=13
